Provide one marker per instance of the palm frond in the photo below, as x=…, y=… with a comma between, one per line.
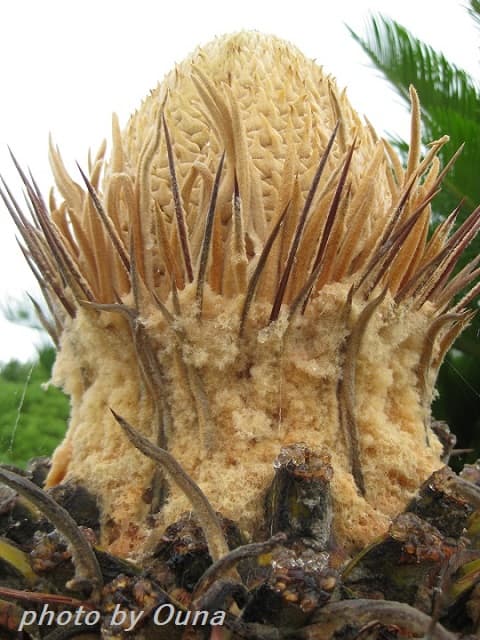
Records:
x=450, y=98
x=474, y=11
x=405, y=60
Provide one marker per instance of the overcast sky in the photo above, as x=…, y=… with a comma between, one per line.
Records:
x=66, y=66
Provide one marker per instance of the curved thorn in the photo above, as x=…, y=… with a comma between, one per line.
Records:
x=207, y=237
x=277, y=303
x=84, y=559
x=222, y=566
x=179, y=212
x=114, y=237
x=333, y=616
x=317, y=265
x=252, y=283
x=207, y=517
x=346, y=389
x=425, y=361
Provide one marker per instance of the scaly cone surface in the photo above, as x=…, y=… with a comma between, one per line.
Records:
x=253, y=270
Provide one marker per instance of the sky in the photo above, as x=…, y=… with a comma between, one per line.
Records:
x=66, y=66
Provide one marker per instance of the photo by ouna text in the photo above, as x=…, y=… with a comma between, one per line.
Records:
x=128, y=620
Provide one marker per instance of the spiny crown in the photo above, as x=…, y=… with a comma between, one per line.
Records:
x=246, y=170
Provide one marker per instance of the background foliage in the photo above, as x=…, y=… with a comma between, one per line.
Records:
x=33, y=415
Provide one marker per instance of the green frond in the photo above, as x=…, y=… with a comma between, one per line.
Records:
x=405, y=60
x=474, y=11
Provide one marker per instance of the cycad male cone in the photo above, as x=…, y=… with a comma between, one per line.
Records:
x=253, y=270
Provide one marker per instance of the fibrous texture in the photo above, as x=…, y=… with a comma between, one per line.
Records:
x=254, y=269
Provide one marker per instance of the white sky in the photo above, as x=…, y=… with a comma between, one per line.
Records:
x=67, y=65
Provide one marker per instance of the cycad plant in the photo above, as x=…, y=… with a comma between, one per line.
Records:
x=250, y=316
x=450, y=100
